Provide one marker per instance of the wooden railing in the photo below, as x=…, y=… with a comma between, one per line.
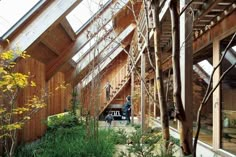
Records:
x=117, y=83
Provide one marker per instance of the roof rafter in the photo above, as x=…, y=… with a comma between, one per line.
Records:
x=49, y=17
x=55, y=65
x=78, y=75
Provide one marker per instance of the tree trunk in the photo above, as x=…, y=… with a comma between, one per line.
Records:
x=159, y=77
x=180, y=114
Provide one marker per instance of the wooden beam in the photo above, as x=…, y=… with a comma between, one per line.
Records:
x=206, y=8
x=76, y=76
x=55, y=65
x=81, y=40
x=164, y=9
x=38, y=27
x=53, y=49
x=67, y=27
x=226, y=27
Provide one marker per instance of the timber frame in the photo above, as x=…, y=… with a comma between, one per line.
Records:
x=49, y=39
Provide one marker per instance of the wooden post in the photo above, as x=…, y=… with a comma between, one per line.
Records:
x=216, y=97
x=149, y=101
x=143, y=63
x=132, y=96
x=155, y=98
x=186, y=68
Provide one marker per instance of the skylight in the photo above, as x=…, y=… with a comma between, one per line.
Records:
x=105, y=49
x=12, y=12
x=84, y=12
x=206, y=66
x=230, y=55
x=92, y=41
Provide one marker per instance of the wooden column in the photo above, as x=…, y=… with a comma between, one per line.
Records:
x=149, y=101
x=132, y=95
x=216, y=97
x=143, y=62
x=186, y=66
x=155, y=98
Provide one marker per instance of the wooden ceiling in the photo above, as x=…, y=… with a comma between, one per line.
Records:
x=206, y=14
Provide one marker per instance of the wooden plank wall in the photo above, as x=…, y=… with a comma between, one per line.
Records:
x=33, y=128
x=108, y=73
x=58, y=101
x=57, y=98
x=121, y=97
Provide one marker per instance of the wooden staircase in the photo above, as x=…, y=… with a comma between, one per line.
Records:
x=118, y=82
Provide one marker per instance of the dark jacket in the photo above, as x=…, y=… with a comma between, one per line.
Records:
x=127, y=107
x=109, y=118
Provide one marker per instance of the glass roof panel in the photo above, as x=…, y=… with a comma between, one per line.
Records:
x=12, y=11
x=206, y=66
x=230, y=55
x=84, y=12
x=107, y=48
x=91, y=42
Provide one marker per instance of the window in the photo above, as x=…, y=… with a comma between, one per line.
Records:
x=84, y=12
x=228, y=94
x=15, y=12
x=206, y=66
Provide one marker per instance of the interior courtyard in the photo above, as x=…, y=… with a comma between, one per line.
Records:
x=155, y=51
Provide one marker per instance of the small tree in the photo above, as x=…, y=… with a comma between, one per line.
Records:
x=13, y=115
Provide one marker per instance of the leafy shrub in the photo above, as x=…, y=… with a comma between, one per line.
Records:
x=149, y=144
x=65, y=120
x=119, y=136
x=70, y=142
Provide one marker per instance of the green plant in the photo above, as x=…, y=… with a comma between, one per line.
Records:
x=74, y=103
x=70, y=142
x=65, y=120
x=149, y=145
x=13, y=116
x=119, y=136
x=142, y=145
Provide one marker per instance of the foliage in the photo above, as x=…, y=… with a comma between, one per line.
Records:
x=136, y=126
x=13, y=115
x=70, y=142
x=74, y=102
x=64, y=120
x=119, y=136
x=148, y=145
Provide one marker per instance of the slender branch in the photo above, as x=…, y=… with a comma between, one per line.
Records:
x=210, y=92
x=204, y=103
x=148, y=35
